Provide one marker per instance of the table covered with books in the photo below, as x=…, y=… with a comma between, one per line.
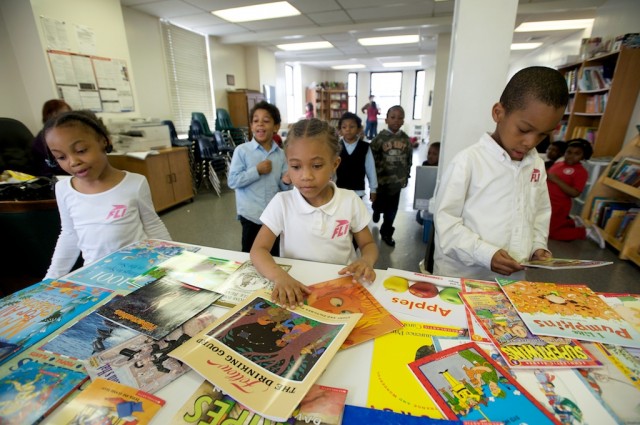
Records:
x=168, y=333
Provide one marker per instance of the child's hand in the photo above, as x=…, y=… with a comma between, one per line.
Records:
x=289, y=292
x=503, y=263
x=372, y=196
x=361, y=271
x=541, y=254
x=264, y=167
x=553, y=178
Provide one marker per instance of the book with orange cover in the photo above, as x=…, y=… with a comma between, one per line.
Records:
x=342, y=295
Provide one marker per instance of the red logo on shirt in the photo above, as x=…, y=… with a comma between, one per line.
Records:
x=117, y=212
x=535, y=175
x=342, y=228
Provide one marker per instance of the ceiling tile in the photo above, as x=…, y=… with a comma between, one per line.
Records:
x=311, y=6
x=221, y=30
x=331, y=18
x=168, y=9
x=291, y=22
x=199, y=20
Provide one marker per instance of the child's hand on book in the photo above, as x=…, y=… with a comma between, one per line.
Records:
x=503, y=263
x=289, y=292
x=361, y=271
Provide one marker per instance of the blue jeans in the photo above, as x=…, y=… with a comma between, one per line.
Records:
x=371, y=129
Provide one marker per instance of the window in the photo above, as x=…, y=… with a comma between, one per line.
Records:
x=288, y=89
x=352, y=90
x=418, y=95
x=386, y=86
x=188, y=74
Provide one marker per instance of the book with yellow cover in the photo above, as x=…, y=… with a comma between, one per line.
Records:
x=265, y=356
x=392, y=386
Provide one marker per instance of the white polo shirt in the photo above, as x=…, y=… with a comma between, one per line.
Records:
x=322, y=234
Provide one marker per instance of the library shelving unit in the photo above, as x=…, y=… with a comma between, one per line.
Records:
x=330, y=104
x=601, y=113
x=607, y=187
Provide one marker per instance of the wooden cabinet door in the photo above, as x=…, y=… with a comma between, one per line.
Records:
x=160, y=180
x=180, y=174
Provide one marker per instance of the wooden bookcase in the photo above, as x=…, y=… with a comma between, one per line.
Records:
x=610, y=125
x=240, y=104
x=329, y=104
x=607, y=187
x=168, y=173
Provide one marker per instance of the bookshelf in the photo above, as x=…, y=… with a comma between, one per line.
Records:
x=330, y=104
x=607, y=187
x=602, y=94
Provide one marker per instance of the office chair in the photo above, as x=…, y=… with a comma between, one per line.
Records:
x=224, y=124
x=15, y=146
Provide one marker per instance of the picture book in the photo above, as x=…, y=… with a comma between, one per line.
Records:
x=626, y=305
x=33, y=390
x=476, y=333
x=342, y=295
x=158, y=307
x=29, y=315
x=107, y=402
x=356, y=415
x=144, y=363
x=115, y=270
x=265, y=356
x=613, y=384
x=564, y=263
x=391, y=384
x=519, y=347
x=568, y=311
x=322, y=405
x=420, y=296
x=242, y=282
x=191, y=268
x=467, y=384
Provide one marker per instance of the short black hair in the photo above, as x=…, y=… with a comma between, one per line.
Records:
x=560, y=145
x=271, y=110
x=583, y=144
x=350, y=116
x=395, y=108
x=546, y=85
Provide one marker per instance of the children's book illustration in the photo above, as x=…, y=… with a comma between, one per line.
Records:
x=564, y=263
x=392, y=386
x=158, y=307
x=32, y=390
x=115, y=270
x=476, y=333
x=568, y=311
x=29, y=315
x=107, y=402
x=242, y=282
x=144, y=363
x=518, y=346
x=467, y=384
x=266, y=356
x=322, y=405
x=356, y=415
x=626, y=305
x=342, y=295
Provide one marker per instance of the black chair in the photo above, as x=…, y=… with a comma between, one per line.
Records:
x=224, y=125
x=175, y=140
x=15, y=146
x=210, y=164
x=224, y=143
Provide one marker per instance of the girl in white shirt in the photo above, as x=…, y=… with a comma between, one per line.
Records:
x=101, y=208
x=316, y=221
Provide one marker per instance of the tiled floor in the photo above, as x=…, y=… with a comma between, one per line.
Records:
x=211, y=221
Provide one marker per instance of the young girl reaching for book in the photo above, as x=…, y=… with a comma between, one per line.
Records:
x=101, y=208
x=316, y=221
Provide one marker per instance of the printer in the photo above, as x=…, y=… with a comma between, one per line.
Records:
x=139, y=135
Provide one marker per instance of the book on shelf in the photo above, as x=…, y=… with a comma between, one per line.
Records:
x=144, y=363
x=591, y=78
x=625, y=169
x=391, y=384
x=564, y=263
x=342, y=295
x=158, y=307
x=33, y=313
x=357, y=415
x=519, y=347
x=33, y=390
x=467, y=384
x=625, y=223
x=266, y=356
x=108, y=402
x=322, y=405
x=116, y=269
x=568, y=311
x=242, y=282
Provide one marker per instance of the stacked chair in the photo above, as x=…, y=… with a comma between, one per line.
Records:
x=200, y=125
x=224, y=125
x=211, y=164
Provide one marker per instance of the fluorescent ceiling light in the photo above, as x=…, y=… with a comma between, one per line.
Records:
x=525, y=46
x=305, y=46
x=257, y=12
x=554, y=25
x=401, y=64
x=396, y=39
x=354, y=66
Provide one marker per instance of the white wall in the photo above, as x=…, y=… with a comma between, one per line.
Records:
x=226, y=59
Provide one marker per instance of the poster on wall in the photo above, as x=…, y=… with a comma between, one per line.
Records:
x=113, y=76
x=55, y=34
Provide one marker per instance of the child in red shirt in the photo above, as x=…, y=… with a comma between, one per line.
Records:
x=566, y=180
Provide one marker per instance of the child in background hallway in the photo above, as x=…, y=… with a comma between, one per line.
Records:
x=392, y=153
x=356, y=159
x=555, y=151
x=433, y=154
x=101, y=208
x=372, y=111
x=258, y=171
x=566, y=180
x=317, y=221
x=492, y=206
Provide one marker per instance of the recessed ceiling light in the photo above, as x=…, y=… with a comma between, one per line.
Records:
x=572, y=24
x=401, y=64
x=354, y=66
x=395, y=39
x=258, y=12
x=305, y=46
x=525, y=46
